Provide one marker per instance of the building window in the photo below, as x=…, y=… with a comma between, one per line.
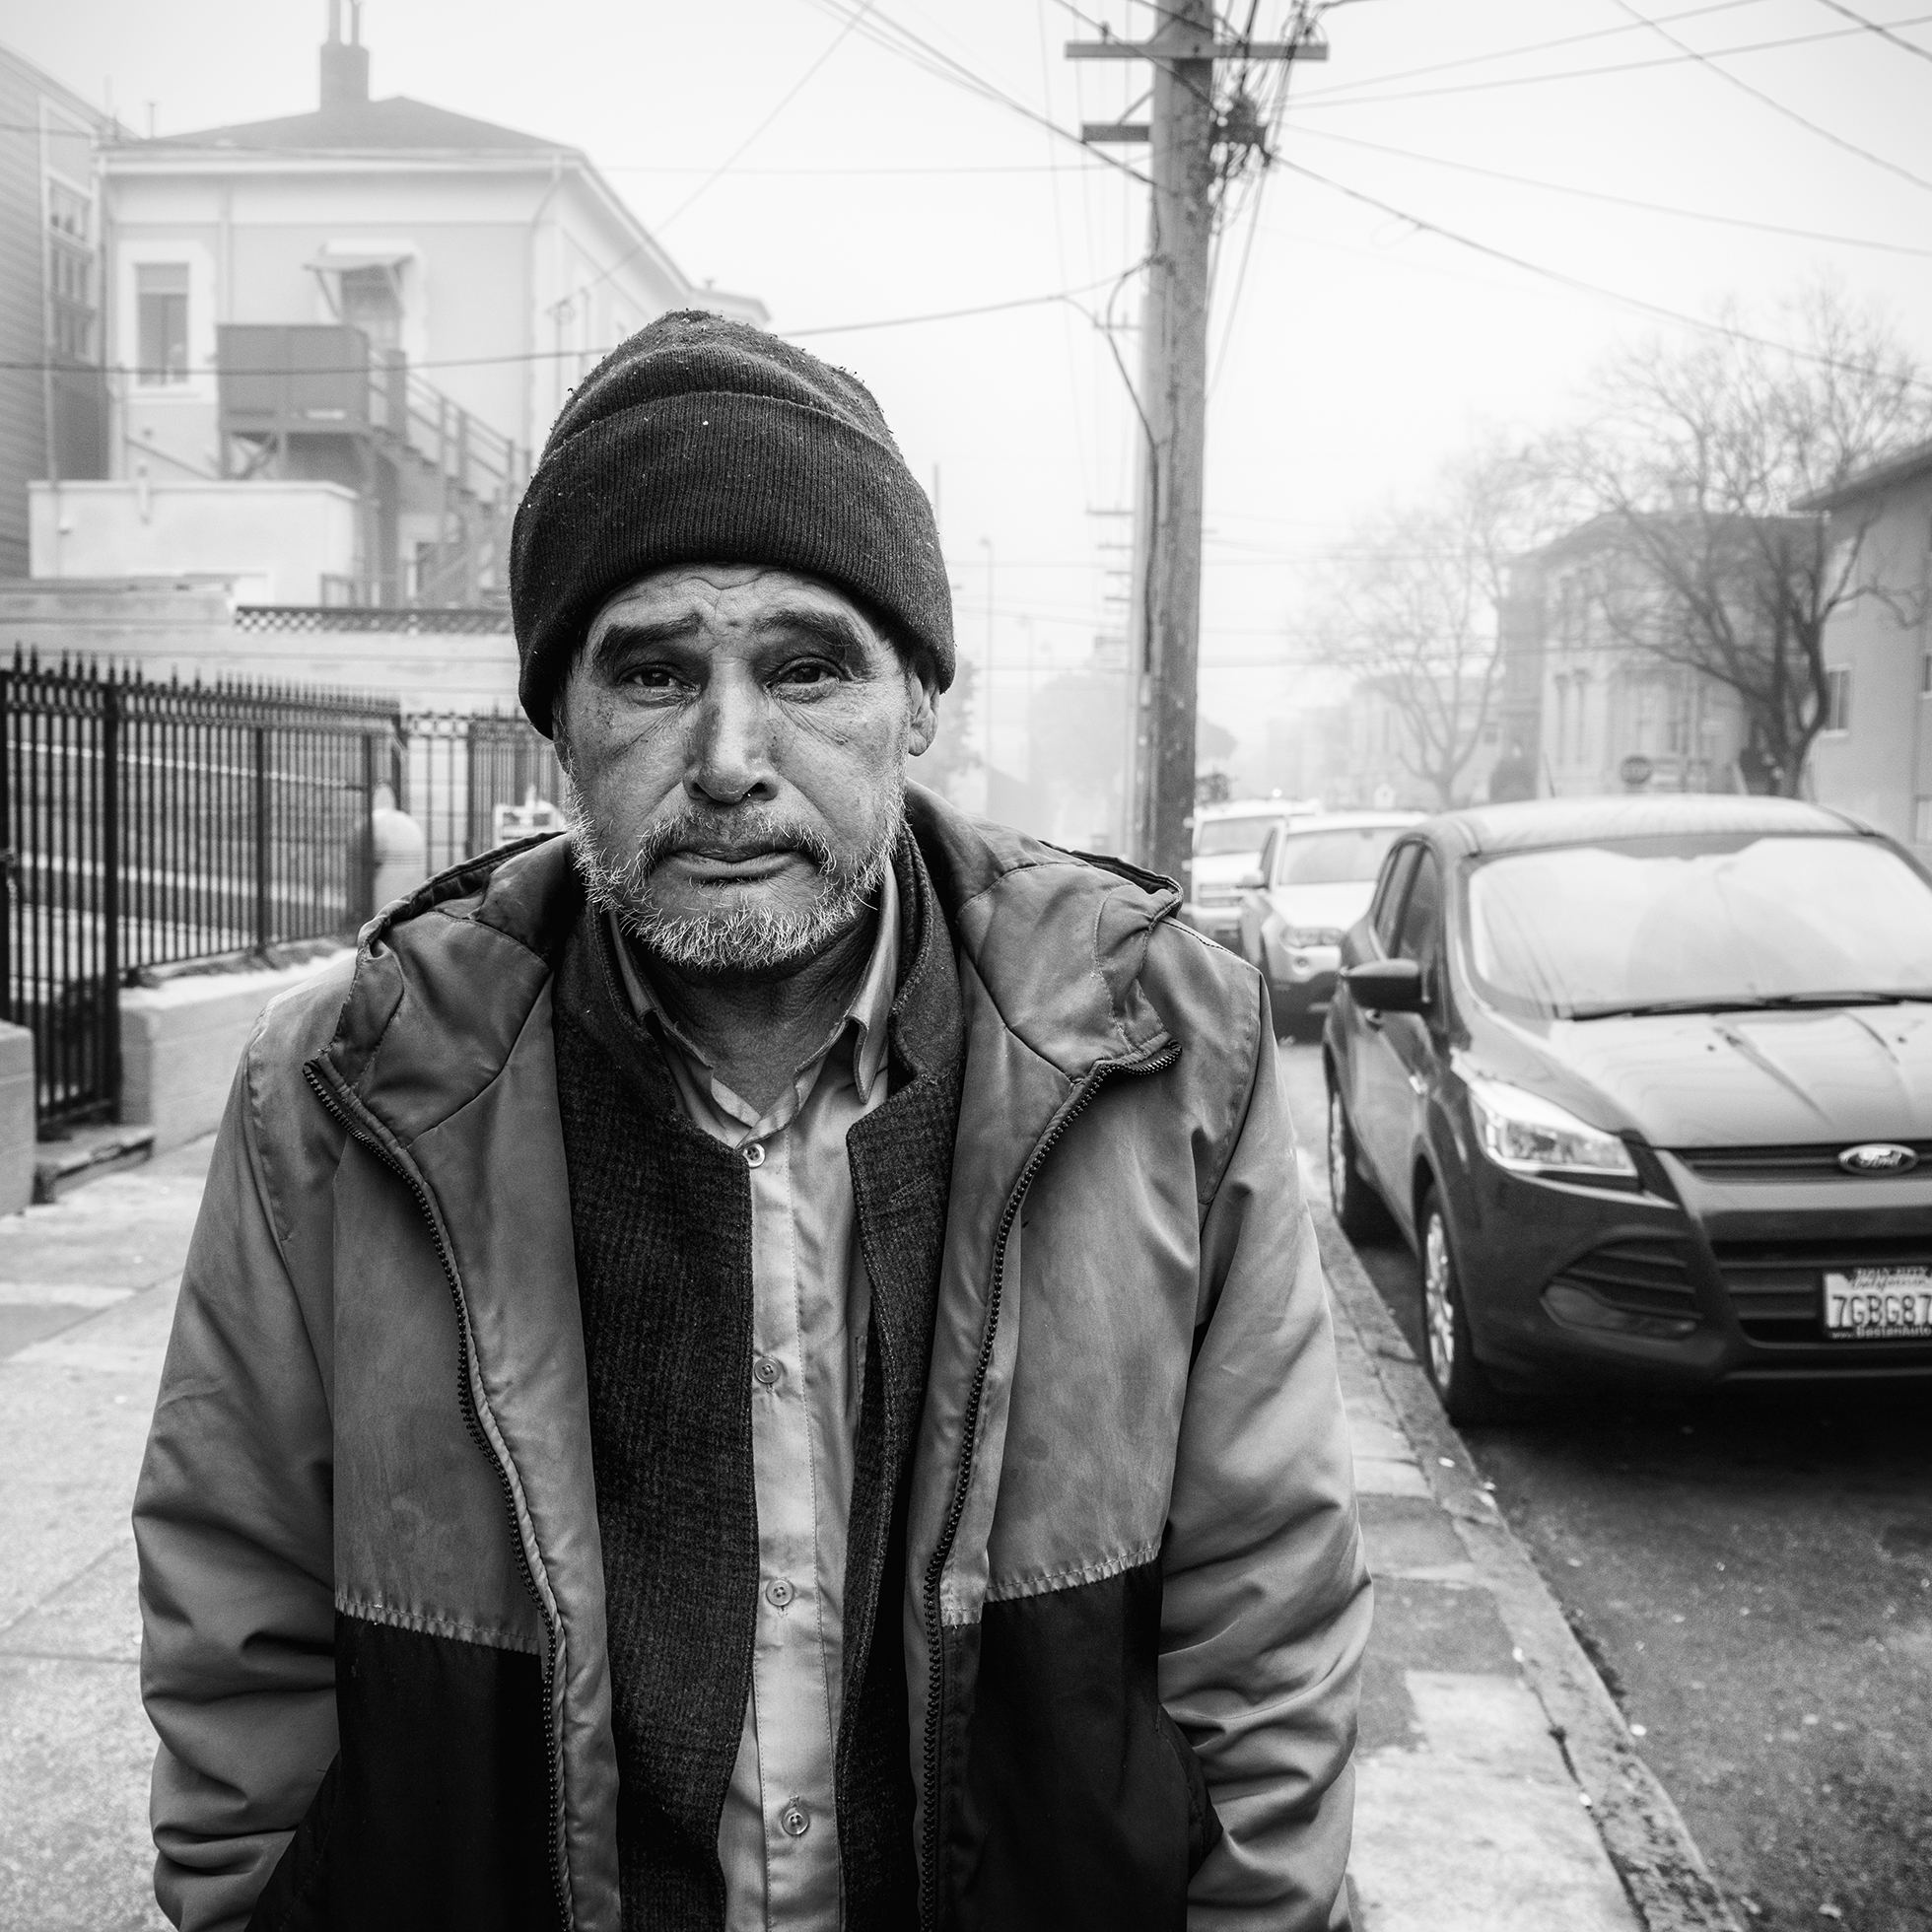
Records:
x=1922, y=821
x=1837, y=700
x=161, y=301
x=372, y=301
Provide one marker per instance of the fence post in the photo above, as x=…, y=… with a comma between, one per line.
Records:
x=365, y=902
x=110, y=892
x=261, y=838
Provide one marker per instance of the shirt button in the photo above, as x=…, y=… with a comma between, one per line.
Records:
x=779, y=1592
x=754, y=1154
x=795, y=1819
x=764, y=1372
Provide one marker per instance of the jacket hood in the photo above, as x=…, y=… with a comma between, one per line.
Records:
x=1058, y=939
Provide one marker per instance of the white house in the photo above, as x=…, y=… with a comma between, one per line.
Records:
x=381, y=303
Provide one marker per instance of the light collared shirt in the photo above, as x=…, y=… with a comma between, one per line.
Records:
x=811, y=1306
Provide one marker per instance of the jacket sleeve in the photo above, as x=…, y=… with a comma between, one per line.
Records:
x=1267, y=1601
x=231, y=1519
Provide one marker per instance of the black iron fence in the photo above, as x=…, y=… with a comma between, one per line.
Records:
x=146, y=825
x=473, y=781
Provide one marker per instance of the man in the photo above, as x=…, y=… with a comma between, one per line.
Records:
x=757, y=1364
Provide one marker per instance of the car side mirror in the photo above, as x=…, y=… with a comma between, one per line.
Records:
x=1387, y=986
x=1250, y=883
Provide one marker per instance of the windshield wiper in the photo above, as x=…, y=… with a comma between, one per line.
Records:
x=1749, y=1004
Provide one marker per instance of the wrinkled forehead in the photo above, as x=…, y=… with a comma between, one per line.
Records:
x=727, y=605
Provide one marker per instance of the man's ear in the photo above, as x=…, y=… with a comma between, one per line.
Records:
x=924, y=716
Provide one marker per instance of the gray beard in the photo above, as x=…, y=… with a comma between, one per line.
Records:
x=753, y=939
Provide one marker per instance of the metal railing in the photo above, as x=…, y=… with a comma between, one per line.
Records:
x=152, y=826
x=147, y=825
x=464, y=774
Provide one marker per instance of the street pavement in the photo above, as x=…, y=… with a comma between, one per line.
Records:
x=1492, y=1770
x=1751, y=1572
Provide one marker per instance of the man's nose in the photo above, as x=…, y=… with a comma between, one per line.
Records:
x=730, y=748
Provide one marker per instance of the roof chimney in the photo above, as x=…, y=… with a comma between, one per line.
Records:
x=345, y=64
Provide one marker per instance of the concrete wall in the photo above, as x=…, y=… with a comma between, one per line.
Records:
x=186, y=627
x=181, y=1043
x=17, y=1144
x=274, y=541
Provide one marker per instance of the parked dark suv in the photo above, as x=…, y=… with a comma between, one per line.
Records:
x=1647, y=1084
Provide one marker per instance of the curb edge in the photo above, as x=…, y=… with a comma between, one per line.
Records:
x=1644, y=1833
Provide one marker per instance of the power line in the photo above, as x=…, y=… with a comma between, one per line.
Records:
x=557, y=355
x=1619, y=200
x=790, y=93
x=1512, y=53
x=1777, y=107
x=1686, y=55
x=1676, y=316
x=900, y=41
x=1881, y=28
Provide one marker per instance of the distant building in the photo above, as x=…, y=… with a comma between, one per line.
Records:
x=1585, y=707
x=337, y=338
x=53, y=406
x=1387, y=766
x=1875, y=754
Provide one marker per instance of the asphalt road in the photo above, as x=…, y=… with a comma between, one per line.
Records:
x=1753, y=1573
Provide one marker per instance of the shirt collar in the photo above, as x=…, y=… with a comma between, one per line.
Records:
x=867, y=1013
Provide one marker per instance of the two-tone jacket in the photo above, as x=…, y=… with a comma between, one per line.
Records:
x=1135, y=1602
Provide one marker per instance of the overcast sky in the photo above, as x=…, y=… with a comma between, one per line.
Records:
x=1356, y=353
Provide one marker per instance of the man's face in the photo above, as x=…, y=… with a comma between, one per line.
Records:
x=737, y=739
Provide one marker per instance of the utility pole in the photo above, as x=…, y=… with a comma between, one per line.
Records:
x=1164, y=646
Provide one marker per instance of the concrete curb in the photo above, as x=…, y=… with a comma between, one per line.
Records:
x=1647, y=1840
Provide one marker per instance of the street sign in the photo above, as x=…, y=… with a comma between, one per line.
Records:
x=1636, y=771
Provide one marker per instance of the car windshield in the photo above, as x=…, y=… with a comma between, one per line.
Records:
x=1221, y=837
x=1696, y=922
x=1349, y=855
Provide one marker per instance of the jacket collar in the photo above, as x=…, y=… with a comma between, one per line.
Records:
x=447, y=979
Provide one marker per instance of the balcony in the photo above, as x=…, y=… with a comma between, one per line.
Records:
x=313, y=402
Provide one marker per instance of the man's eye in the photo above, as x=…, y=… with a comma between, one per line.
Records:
x=652, y=677
x=808, y=671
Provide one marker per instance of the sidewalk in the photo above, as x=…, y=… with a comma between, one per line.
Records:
x=86, y=1294
x=1493, y=1771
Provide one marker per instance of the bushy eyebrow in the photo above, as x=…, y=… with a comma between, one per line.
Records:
x=838, y=630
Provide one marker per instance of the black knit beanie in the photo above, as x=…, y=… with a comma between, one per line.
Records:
x=703, y=441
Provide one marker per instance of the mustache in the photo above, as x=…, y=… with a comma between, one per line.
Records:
x=745, y=834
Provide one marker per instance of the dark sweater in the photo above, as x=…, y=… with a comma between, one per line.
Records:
x=661, y=1215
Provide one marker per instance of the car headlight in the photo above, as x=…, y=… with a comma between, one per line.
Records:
x=1310, y=935
x=1529, y=1134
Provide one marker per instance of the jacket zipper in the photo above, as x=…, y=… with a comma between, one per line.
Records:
x=467, y=1402
x=1156, y=1061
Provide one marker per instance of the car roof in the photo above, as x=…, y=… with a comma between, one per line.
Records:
x=1348, y=821
x=1534, y=822
x=1246, y=808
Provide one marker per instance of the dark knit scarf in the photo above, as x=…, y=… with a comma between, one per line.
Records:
x=662, y=1214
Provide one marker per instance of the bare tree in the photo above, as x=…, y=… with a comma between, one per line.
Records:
x=1408, y=605
x=1705, y=462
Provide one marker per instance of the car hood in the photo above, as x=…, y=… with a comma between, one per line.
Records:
x=1758, y=1079
x=1336, y=905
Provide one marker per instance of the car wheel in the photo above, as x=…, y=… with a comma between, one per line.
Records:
x=1357, y=1207
x=1461, y=1384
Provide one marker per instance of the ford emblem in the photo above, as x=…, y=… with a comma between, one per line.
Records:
x=1878, y=1157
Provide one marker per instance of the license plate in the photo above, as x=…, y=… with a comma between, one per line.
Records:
x=1879, y=1304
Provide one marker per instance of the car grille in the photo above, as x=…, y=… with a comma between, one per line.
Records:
x=1642, y=1278
x=1777, y=1288
x=1794, y=1163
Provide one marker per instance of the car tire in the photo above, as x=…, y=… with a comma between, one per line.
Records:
x=1461, y=1383
x=1358, y=1209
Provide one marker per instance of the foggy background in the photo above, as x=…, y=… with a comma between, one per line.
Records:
x=1544, y=180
